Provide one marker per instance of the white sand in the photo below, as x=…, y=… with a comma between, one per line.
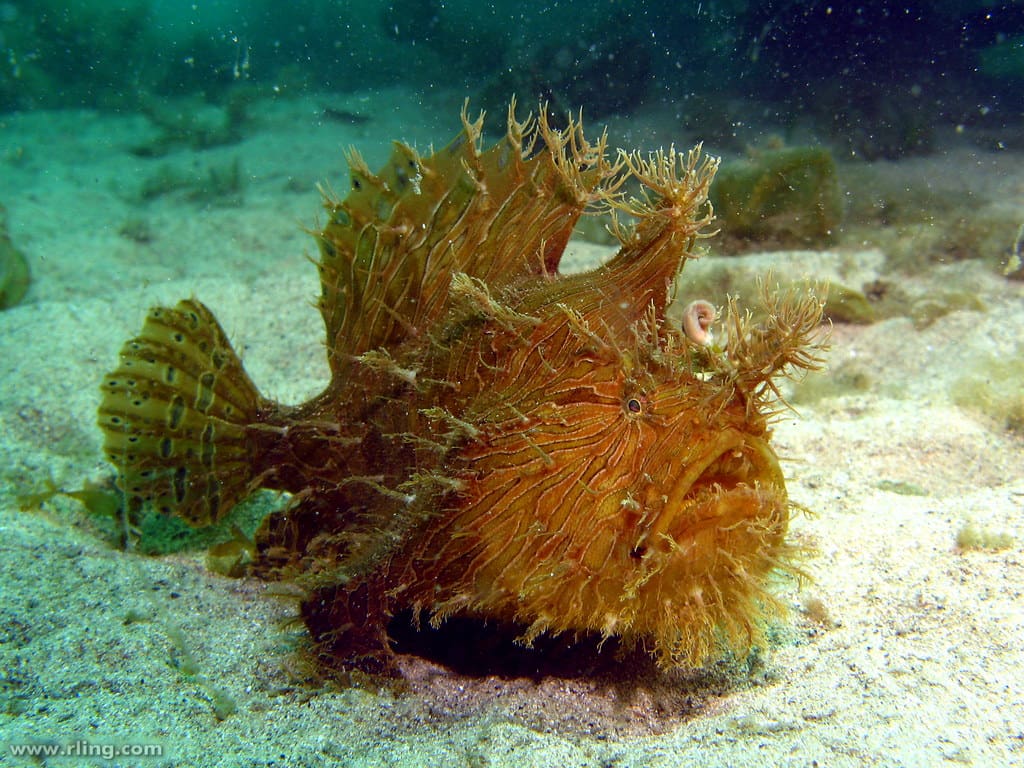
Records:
x=919, y=663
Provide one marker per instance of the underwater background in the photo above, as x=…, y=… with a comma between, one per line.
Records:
x=156, y=150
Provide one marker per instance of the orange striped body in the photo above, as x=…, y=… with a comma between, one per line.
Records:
x=497, y=440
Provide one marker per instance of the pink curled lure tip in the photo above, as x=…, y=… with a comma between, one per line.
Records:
x=697, y=319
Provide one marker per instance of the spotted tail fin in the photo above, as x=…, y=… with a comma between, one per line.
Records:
x=175, y=415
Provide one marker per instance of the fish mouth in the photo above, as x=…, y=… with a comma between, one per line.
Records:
x=736, y=464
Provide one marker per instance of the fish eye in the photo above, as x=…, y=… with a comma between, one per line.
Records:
x=633, y=405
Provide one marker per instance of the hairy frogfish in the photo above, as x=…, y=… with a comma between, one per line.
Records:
x=498, y=440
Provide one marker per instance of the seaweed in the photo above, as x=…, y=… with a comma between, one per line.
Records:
x=919, y=219
x=991, y=386
x=14, y=272
x=191, y=124
x=974, y=536
x=102, y=501
x=784, y=197
x=182, y=659
x=213, y=184
x=126, y=524
x=137, y=230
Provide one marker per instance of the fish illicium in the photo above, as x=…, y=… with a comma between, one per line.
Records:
x=497, y=440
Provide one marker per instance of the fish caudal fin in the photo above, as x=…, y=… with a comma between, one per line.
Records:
x=175, y=415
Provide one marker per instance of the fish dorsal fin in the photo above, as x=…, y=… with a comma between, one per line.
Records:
x=391, y=246
x=668, y=214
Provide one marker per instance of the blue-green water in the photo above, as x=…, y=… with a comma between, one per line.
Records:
x=877, y=77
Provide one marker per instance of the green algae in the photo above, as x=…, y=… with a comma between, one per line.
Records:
x=182, y=659
x=991, y=386
x=845, y=378
x=215, y=184
x=974, y=536
x=919, y=220
x=149, y=532
x=14, y=272
x=195, y=124
x=928, y=308
x=789, y=197
x=901, y=487
x=848, y=305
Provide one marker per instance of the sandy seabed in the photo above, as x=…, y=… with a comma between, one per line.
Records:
x=903, y=651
